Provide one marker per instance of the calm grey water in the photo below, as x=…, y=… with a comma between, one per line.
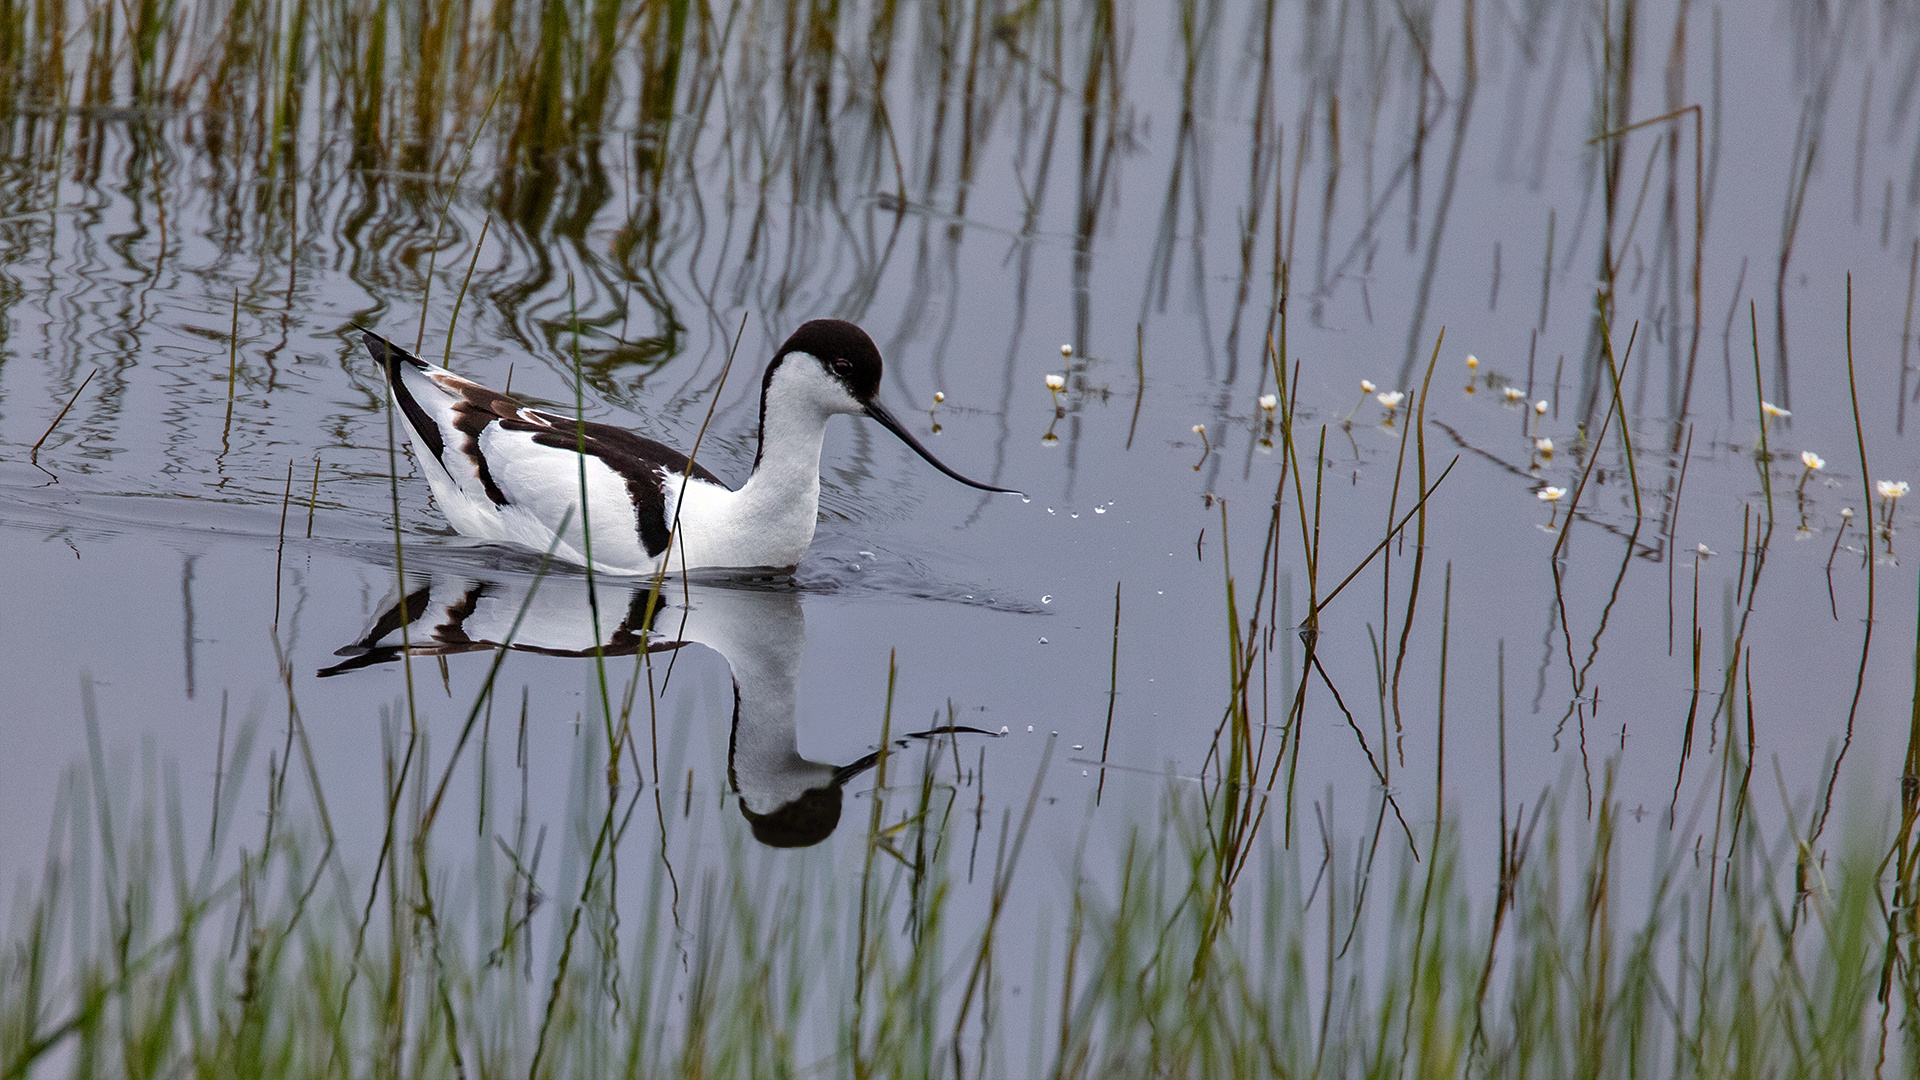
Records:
x=973, y=236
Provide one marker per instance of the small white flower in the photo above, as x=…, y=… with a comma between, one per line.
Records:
x=1512, y=393
x=1550, y=494
x=1705, y=551
x=1199, y=429
x=1056, y=382
x=1268, y=401
x=1812, y=460
x=1893, y=489
x=1066, y=350
x=1543, y=446
x=1472, y=361
x=1367, y=387
x=1770, y=409
x=1391, y=399
x=1846, y=512
x=1540, y=407
x=938, y=397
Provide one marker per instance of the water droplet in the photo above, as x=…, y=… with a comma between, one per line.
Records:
x=1083, y=772
x=1099, y=509
x=1043, y=641
x=1077, y=746
x=1029, y=728
x=1026, y=499
x=1048, y=599
x=1049, y=509
x=1075, y=514
x=1004, y=729
x=867, y=555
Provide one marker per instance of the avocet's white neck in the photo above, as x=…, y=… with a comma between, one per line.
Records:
x=764, y=762
x=783, y=494
x=770, y=520
x=763, y=637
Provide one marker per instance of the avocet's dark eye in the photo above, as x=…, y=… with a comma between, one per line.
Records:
x=843, y=367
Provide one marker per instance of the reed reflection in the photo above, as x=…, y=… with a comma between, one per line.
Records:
x=787, y=799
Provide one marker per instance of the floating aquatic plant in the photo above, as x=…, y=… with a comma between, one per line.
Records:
x=1551, y=496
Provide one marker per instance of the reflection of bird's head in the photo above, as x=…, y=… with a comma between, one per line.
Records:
x=804, y=822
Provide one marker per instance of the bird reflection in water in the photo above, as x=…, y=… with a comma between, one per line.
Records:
x=788, y=801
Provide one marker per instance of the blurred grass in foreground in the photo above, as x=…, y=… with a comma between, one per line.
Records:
x=144, y=952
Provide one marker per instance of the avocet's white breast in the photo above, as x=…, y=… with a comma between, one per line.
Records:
x=770, y=520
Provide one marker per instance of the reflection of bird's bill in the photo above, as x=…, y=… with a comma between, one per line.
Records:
x=847, y=772
x=887, y=420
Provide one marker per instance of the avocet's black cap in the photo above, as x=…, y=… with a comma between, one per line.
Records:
x=847, y=350
x=804, y=822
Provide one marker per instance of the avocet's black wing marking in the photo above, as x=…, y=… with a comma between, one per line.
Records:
x=459, y=408
x=390, y=356
x=462, y=406
x=639, y=461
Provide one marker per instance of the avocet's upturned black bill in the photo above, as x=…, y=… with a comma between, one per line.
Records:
x=504, y=472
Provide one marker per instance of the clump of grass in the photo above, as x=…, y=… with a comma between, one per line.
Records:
x=144, y=953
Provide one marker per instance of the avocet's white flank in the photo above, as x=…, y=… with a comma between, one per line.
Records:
x=504, y=472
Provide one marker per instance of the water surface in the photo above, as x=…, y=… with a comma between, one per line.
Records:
x=213, y=519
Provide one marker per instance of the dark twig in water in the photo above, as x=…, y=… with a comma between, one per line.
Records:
x=1906, y=340
x=1673, y=530
x=280, y=549
x=1759, y=395
x=1626, y=435
x=1139, y=376
x=1113, y=683
x=313, y=495
x=1866, y=637
x=233, y=367
x=33, y=456
x=1838, y=535
x=1381, y=546
x=446, y=357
